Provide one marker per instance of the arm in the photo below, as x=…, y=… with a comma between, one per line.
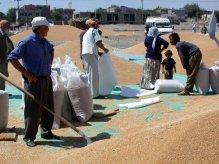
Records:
x=183, y=60
x=101, y=45
x=165, y=44
x=15, y=55
x=31, y=78
x=174, y=67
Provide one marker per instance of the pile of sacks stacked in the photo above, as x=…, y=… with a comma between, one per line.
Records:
x=207, y=78
x=72, y=94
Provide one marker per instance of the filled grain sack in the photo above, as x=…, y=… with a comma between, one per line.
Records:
x=79, y=93
x=216, y=63
x=214, y=79
x=202, y=83
x=168, y=86
x=58, y=97
x=212, y=25
x=107, y=75
x=3, y=110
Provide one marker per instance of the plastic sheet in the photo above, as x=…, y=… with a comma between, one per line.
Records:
x=142, y=103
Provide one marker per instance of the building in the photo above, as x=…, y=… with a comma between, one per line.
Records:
x=28, y=12
x=65, y=13
x=116, y=15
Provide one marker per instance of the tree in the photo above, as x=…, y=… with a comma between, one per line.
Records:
x=11, y=15
x=217, y=15
x=56, y=15
x=100, y=10
x=193, y=10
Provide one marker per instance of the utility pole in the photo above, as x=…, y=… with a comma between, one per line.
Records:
x=46, y=2
x=18, y=11
x=142, y=12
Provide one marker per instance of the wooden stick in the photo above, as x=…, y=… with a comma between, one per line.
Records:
x=66, y=122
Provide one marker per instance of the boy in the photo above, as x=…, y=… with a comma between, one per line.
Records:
x=168, y=65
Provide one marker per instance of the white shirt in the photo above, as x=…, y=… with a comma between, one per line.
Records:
x=90, y=38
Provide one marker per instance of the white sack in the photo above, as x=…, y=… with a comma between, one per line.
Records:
x=202, y=83
x=214, y=79
x=212, y=25
x=168, y=86
x=58, y=97
x=107, y=75
x=3, y=110
x=216, y=63
x=142, y=103
x=144, y=92
x=80, y=96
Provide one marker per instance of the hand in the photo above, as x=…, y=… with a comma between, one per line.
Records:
x=106, y=50
x=31, y=78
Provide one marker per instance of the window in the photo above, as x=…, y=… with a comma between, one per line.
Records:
x=109, y=17
x=132, y=17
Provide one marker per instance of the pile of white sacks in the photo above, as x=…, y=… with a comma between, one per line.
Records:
x=205, y=79
x=208, y=77
x=72, y=93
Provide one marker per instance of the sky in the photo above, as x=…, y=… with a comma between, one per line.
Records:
x=91, y=5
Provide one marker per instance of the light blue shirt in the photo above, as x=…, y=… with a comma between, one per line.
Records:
x=35, y=53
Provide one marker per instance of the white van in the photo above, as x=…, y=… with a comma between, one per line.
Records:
x=163, y=24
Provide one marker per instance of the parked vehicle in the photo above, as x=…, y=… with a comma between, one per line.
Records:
x=163, y=24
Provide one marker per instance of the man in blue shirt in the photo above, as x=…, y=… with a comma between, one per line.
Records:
x=36, y=54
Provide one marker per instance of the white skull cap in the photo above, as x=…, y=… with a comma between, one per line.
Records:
x=39, y=21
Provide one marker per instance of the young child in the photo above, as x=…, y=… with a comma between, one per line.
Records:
x=168, y=65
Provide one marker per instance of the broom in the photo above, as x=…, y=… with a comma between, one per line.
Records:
x=66, y=122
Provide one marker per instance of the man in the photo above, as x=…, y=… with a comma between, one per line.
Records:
x=190, y=56
x=90, y=44
x=6, y=46
x=36, y=54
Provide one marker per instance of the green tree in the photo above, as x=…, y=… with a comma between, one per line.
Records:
x=100, y=10
x=193, y=10
x=217, y=15
x=11, y=15
x=56, y=15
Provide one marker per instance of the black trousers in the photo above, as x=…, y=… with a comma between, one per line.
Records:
x=35, y=115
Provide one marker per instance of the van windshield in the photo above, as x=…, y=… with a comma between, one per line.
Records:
x=163, y=25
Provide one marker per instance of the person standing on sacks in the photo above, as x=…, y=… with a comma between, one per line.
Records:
x=91, y=41
x=36, y=53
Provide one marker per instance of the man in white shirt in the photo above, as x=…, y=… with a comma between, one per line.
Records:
x=91, y=41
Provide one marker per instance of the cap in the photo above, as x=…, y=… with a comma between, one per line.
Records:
x=39, y=21
x=90, y=21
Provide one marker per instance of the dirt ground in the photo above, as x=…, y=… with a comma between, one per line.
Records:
x=156, y=134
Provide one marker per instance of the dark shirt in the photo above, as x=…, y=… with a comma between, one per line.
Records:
x=185, y=51
x=36, y=55
x=168, y=63
x=81, y=39
x=155, y=53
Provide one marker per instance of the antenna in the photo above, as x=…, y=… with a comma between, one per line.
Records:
x=18, y=11
x=70, y=4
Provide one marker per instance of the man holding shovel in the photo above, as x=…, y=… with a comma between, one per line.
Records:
x=36, y=54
